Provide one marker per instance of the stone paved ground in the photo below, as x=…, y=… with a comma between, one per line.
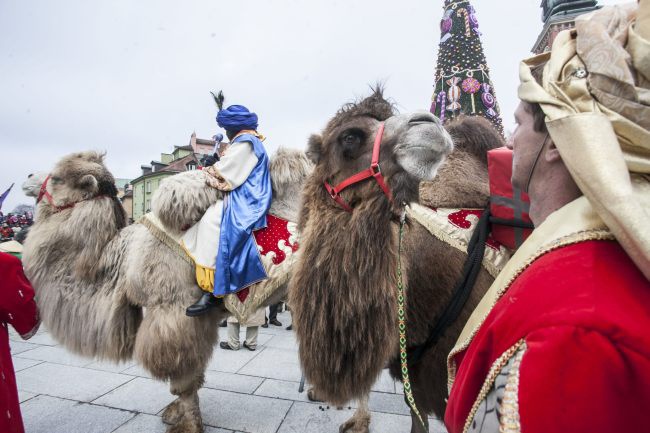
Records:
x=244, y=391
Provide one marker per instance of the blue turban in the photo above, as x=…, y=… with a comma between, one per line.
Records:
x=236, y=118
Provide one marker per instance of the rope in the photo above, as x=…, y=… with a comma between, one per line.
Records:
x=401, y=320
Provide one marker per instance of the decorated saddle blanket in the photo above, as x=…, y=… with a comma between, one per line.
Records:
x=277, y=245
x=455, y=228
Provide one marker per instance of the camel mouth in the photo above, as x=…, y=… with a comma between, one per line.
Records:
x=421, y=122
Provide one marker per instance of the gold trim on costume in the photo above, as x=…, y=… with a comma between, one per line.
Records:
x=510, y=422
x=495, y=369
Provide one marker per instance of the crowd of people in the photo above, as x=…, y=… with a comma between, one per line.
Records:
x=13, y=224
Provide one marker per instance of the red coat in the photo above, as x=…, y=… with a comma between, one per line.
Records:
x=17, y=307
x=579, y=319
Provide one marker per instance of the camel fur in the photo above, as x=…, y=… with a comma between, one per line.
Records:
x=115, y=292
x=344, y=288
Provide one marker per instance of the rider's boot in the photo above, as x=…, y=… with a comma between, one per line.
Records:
x=203, y=305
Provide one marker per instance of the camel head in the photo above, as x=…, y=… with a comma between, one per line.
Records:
x=412, y=148
x=79, y=208
x=78, y=177
x=32, y=184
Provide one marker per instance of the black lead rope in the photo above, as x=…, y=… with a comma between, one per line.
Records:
x=471, y=268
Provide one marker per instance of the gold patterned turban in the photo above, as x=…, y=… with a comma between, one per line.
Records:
x=595, y=94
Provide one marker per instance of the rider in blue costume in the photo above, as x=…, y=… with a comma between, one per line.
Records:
x=243, y=174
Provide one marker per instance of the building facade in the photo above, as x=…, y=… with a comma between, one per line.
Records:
x=182, y=158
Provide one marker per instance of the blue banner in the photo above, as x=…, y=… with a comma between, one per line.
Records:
x=4, y=195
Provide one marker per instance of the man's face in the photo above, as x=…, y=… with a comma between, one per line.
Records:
x=525, y=143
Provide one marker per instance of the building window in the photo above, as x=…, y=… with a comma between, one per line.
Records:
x=191, y=166
x=148, y=207
x=148, y=186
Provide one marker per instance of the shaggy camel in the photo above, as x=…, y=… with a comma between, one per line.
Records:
x=114, y=292
x=343, y=291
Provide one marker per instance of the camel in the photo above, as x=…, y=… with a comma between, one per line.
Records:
x=115, y=292
x=343, y=291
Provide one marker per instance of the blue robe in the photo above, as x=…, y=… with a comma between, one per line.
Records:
x=238, y=262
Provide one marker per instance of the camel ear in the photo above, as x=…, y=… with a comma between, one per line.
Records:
x=87, y=183
x=314, y=148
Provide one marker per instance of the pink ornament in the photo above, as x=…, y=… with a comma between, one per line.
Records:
x=471, y=85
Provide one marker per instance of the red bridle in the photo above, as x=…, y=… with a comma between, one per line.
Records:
x=44, y=193
x=373, y=171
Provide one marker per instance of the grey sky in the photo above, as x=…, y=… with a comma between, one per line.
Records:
x=132, y=77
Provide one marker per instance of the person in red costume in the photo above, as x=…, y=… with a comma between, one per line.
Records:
x=561, y=341
x=17, y=308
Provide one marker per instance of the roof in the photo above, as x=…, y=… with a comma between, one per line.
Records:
x=180, y=164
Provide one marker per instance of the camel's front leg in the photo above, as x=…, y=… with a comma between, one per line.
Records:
x=360, y=421
x=184, y=413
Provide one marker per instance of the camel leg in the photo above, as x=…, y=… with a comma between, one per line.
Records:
x=184, y=413
x=312, y=395
x=172, y=413
x=360, y=421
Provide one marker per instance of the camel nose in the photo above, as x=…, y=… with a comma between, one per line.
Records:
x=423, y=117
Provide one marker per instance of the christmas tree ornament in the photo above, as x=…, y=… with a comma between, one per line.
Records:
x=445, y=25
x=442, y=101
x=488, y=100
x=453, y=94
x=471, y=85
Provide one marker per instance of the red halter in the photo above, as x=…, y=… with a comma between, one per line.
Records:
x=373, y=171
x=44, y=193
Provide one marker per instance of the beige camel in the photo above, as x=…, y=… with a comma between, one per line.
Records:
x=343, y=291
x=115, y=292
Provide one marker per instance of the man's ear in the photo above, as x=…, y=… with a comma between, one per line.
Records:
x=552, y=154
x=315, y=148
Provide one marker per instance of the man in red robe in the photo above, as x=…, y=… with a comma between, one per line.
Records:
x=561, y=341
x=17, y=308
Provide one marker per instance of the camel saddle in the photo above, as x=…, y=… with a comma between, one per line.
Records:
x=277, y=244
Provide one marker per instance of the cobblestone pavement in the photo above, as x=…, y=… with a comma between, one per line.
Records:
x=244, y=391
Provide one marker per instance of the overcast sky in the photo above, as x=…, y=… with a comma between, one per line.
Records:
x=132, y=78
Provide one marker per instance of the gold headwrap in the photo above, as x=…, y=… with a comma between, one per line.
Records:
x=596, y=97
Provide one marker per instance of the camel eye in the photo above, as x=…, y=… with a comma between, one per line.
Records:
x=351, y=138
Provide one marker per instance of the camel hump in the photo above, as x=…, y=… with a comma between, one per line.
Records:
x=288, y=167
x=475, y=135
x=182, y=199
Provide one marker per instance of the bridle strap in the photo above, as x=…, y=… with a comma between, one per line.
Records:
x=373, y=171
x=44, y=193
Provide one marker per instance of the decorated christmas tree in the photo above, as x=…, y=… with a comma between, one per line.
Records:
x=462, y=80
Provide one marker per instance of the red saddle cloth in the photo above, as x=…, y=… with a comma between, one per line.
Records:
x=270, y=241
x=506, y=202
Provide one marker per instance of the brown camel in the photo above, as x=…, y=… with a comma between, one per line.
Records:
x=116, y=292
x=344, y=287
